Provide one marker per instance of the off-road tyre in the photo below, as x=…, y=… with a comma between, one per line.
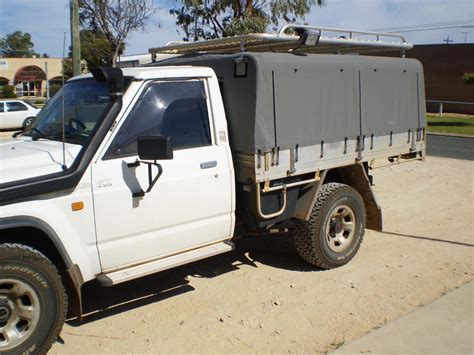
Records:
x=311, y=237
x=25, y=271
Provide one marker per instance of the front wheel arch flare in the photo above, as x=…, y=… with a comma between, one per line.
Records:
x=39, y=235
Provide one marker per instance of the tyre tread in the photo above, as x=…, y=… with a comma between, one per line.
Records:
x=30, y=255
x=306, y=242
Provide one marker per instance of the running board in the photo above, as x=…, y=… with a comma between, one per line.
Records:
x=169, y=262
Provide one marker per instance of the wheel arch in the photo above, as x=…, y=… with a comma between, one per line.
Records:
x=39, y=235
x=356, y=176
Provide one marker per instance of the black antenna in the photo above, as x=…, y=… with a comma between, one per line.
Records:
x=62, y=97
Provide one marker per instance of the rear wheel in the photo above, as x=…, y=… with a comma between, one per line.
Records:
x=28, y=121
x=335, y=229
x=33, y=301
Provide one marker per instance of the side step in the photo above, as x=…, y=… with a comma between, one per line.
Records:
x=169, y=262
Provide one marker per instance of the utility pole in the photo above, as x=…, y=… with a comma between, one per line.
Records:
x=448, y=40
x=47, y=79
x=465, y=33
x=75, y=38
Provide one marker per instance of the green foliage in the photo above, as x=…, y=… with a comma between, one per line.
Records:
x=39, y=102
x=256, y=23
x=67, y=68
x=113, y=20
x=451, y=123
x=290, y=11
x=53, y=89
x=96, y=50
x=17, y=45
x=468, y=78
x=7, y=92
x=209, y=19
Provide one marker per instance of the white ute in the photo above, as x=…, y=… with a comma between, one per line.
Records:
x=127, y=172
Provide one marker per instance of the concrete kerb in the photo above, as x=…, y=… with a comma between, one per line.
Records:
x=445, y=326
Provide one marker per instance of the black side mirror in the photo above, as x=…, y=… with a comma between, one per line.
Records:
x=154, y=147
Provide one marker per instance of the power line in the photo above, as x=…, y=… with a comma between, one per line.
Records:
x=427, y=25
x=427, y=29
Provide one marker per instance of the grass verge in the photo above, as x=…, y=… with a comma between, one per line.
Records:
x=451, y=124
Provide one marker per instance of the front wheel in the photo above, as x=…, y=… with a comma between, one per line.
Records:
x=33, y=301
x=335, y=228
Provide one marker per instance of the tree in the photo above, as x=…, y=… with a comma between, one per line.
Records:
x=208, y=19
x=115, y=19
x=17, y=44
x=96, y=49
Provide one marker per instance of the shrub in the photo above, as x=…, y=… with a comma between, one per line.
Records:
x=7, y=92
x=53, y=89
x=39, y=102
x=468, y=78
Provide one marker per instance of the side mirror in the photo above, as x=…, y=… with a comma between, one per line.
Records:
x=154, y=147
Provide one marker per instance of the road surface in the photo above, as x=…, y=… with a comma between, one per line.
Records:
x=450, y=147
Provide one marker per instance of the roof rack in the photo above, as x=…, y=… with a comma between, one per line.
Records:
x=303, y=39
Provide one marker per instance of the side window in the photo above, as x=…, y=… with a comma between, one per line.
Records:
x=16, y=106
x=176, y=109
x=1, y=107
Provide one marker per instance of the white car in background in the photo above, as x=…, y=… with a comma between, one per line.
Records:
x=16, y=114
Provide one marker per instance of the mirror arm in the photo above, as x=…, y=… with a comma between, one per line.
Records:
x=151, y=180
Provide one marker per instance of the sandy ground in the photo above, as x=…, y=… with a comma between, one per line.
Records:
x=262, y=298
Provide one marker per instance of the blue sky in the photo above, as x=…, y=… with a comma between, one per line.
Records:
x=47, y=20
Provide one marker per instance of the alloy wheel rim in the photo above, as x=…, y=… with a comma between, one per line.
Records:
x=20, y=310
x=340, y=228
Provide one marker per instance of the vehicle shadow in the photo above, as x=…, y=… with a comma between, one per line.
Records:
x=99, y=302
x=449, y=124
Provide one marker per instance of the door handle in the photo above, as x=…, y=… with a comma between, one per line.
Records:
x=209, y=164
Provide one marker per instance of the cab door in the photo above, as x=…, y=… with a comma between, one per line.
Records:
x=190, y=204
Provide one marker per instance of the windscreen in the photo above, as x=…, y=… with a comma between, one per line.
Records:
x=80, y=104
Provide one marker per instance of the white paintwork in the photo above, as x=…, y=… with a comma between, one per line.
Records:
x=22, y=158
x=188, y=206
x=15, y=119
x=170, y=72
x=168, y=262
x=134, y=60
x=75, y=229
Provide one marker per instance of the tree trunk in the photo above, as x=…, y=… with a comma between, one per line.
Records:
x=250, y=7
x=115, y=56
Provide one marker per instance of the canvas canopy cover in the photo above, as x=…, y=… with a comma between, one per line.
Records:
x=284, y=100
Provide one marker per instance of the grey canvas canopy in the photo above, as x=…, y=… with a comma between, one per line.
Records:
x=284, y=100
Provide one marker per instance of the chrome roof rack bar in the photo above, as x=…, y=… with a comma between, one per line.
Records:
x=348, y=34
x=329, y=40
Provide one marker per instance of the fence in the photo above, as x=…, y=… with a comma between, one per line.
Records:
x=442, y=102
